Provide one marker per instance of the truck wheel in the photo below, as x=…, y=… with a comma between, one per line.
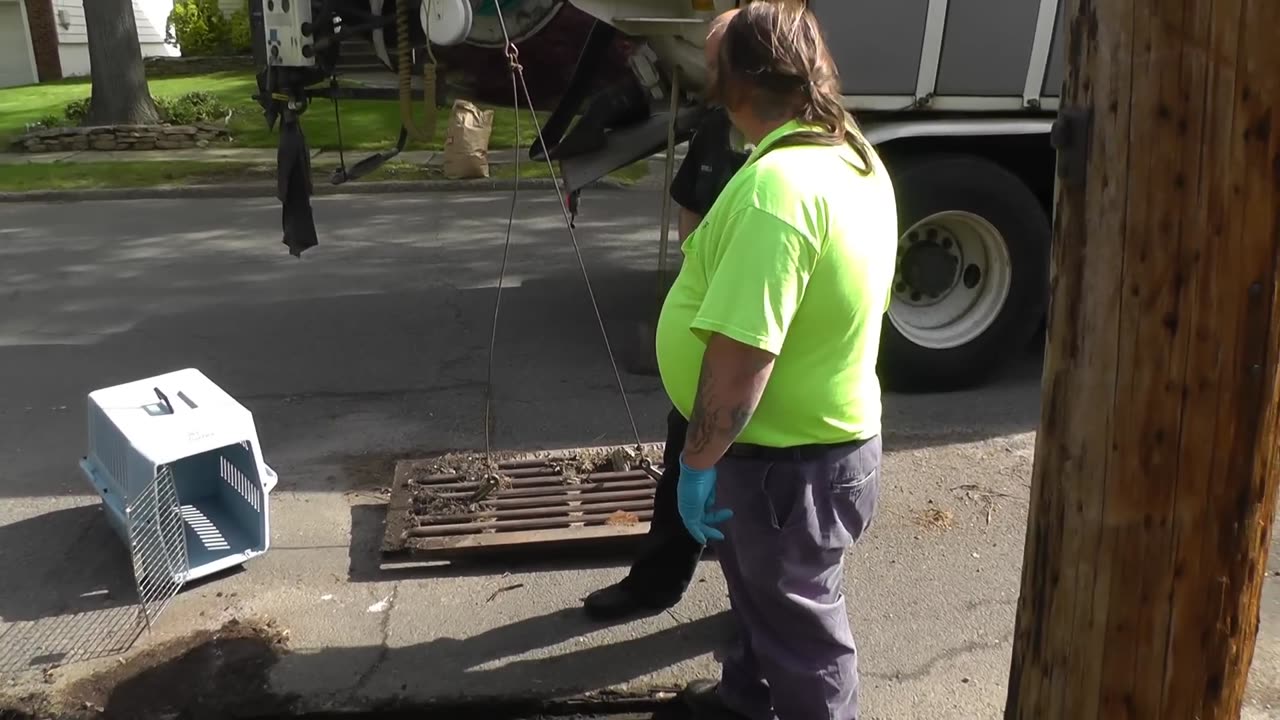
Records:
x=972, y=279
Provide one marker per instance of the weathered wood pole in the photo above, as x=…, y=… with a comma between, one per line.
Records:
x=1158, y=455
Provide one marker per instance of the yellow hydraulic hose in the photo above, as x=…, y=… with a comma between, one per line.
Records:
x=668, y=175
x=404, y=71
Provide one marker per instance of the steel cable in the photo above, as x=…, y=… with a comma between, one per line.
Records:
x=518, y=84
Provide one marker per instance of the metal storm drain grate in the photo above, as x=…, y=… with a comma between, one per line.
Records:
x=459, y=503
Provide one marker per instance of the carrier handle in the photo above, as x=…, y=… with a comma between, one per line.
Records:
x=164, y=399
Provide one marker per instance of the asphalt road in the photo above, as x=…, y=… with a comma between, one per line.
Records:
x=373, y=347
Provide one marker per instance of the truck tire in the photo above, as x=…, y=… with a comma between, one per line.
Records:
x=972, y=281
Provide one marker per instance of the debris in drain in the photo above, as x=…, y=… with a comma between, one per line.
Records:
x=622, y=517
x=491, y=482
x=462, y=500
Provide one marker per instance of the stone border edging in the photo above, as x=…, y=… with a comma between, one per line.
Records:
x=139, y=138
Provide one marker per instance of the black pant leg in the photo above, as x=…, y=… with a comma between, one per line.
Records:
x=669, y=555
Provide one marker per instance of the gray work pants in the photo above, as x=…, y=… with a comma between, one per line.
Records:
x=783, y=559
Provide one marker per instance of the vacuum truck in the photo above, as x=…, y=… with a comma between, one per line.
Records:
x=960, y=98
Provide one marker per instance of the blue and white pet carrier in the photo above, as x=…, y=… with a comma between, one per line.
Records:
x=179, y=468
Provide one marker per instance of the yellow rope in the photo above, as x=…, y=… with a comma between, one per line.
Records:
x=668, y=175
x=404, y=72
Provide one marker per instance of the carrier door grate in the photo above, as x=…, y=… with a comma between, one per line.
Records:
x=157, y=544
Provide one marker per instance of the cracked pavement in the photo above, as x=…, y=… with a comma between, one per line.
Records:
x=373, y=347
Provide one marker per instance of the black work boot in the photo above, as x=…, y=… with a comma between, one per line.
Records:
x=616, y=602
x=702, y=697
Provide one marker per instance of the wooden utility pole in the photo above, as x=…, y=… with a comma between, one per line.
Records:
x=1157, y=457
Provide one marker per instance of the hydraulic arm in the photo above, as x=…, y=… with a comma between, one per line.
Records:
x=298, y=47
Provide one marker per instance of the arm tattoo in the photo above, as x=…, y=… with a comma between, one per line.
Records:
x=713, y=419
x=722, y=408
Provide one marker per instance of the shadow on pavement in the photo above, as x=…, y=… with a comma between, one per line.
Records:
x=305, y=366
x=68, y=594
x=228, y=672
x=1008, y=404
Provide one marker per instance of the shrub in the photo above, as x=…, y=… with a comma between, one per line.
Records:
x=48, y=122
x=241, y=35
x=193, y=107
x=76, y=111
x=198, y=27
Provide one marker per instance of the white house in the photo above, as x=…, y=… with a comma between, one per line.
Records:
x=17, y=60
x=28, y=29
x=73, y=43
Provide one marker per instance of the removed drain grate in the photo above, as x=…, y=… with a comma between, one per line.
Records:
x=576, y=496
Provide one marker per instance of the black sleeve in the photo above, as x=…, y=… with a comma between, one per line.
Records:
x=684, y=185
x=709, y=165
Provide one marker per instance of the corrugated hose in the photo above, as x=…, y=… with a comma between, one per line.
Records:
x=404, y=73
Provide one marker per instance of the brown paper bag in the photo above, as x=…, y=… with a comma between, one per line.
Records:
x=466, y=144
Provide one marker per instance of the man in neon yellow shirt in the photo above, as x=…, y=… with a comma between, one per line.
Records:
x=767, y=342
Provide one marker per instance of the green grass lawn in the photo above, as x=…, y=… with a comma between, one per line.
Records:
x=366, y=125
x=92, y=176
x=87, y=176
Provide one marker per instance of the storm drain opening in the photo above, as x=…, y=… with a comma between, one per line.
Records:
x=461, y=503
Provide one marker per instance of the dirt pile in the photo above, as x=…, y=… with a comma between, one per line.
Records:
x=206, y=675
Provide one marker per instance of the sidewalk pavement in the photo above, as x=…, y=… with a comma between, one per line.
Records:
x=266, y=156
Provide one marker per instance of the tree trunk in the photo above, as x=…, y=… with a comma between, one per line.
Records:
x=120, y=93
x=1158, y=455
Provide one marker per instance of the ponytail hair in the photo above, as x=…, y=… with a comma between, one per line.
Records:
x=774, y=55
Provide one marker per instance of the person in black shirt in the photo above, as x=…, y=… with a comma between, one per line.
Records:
x=662, y=571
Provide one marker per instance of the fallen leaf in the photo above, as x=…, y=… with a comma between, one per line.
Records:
x=622, y=517
x=936, y=518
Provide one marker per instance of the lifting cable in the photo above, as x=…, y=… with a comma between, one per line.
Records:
x=517, y=85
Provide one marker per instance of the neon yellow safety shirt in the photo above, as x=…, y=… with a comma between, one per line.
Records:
x=796, y=257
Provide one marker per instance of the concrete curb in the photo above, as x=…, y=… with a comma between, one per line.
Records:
x=268, y=190
x=596, y=704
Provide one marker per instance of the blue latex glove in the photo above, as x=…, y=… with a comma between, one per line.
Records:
x=695, y=494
